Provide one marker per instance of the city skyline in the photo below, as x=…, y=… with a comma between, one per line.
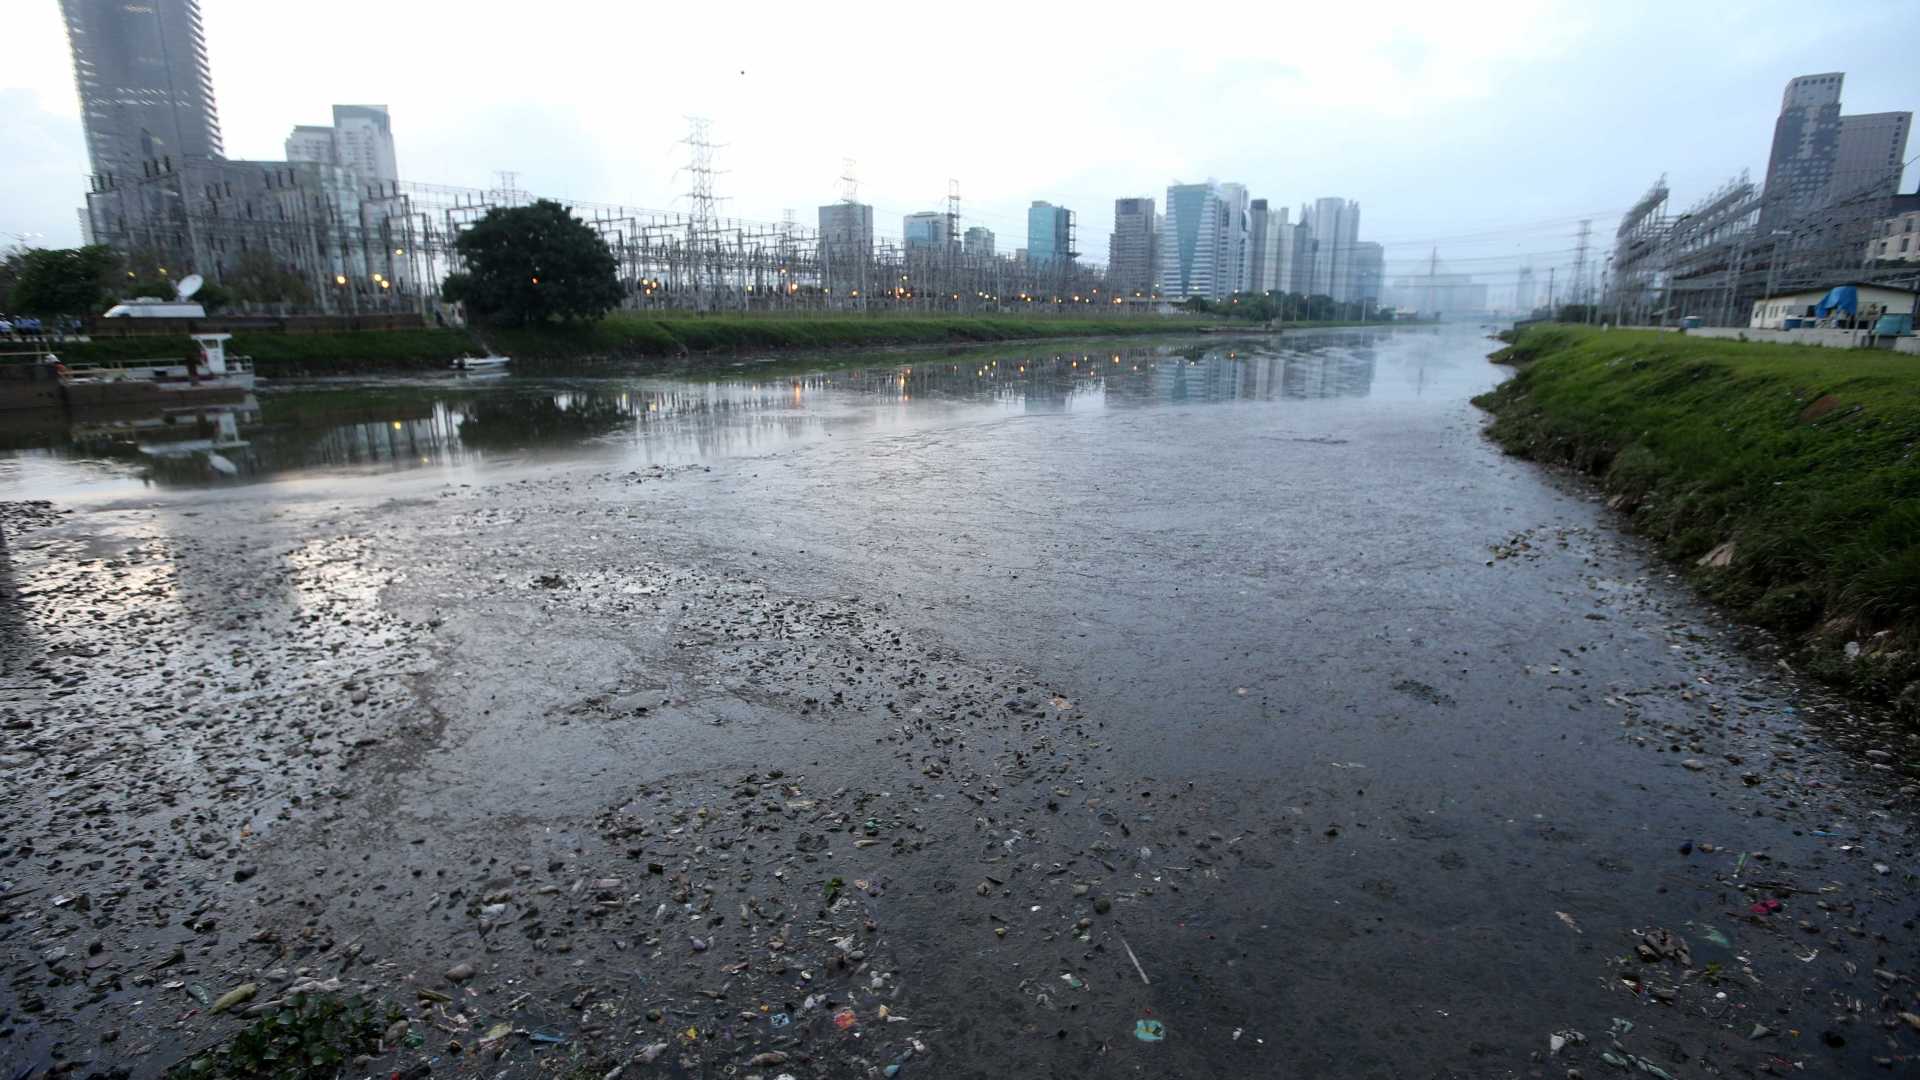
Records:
x=1413, y=95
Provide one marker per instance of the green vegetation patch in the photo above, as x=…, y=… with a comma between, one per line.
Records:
x=625, y=334
x=276, y=354
x=308, y=1038
x=1784, y=478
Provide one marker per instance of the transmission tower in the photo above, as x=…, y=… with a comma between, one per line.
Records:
x=508, y=193
x=1579, y=288
x=849, y=180
x=703, y=219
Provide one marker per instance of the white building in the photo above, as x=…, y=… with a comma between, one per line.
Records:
x=1274, y=243
x=1335, y=225
x=360, y=141
x=1869, y=302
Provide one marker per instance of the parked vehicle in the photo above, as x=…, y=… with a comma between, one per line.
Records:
x=26, y=324
x=6, y=327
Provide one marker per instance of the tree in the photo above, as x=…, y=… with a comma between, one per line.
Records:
x=256, y=278
x=63, y=281
x=528, y=264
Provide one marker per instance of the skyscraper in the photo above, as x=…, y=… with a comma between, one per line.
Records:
x=1274, y=243
x=1523, y=291
x=1131, y=249
x=1049, y=235
x=145, y=93
x=978, y=241
x=1203, y=243
x=1820, y=158
x=1336, y=229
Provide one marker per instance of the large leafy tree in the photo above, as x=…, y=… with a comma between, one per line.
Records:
x=63, y=281
x=257, y=277
x=528, y=264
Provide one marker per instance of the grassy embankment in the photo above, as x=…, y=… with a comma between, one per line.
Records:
x=1784, y=478
x=629, y=336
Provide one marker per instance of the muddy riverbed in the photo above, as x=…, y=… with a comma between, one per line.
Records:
x=1213, y=712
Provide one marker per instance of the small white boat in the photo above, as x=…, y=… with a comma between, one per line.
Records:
x=489, y=362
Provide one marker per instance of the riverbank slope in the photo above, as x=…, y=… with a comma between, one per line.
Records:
x=1783, y=479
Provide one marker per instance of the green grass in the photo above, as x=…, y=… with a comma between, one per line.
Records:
x=1806, y=459
x=630, y=334
x=296, y=354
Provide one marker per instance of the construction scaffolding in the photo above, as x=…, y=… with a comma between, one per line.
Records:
x=1714, y=261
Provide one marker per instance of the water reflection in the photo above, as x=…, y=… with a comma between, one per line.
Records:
x=459, y=423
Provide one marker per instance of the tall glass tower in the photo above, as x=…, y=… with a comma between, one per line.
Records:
x=146, y=96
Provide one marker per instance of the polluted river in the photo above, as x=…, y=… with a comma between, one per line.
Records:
x=1230, y=709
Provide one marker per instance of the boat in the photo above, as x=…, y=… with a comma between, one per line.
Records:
x=489, y=362
x=213, y=374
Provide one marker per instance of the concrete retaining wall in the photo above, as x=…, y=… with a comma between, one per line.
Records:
x=1832, y=339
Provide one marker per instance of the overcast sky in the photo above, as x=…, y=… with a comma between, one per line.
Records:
x=1487, y=133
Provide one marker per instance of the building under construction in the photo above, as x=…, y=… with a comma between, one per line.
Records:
x=1831, y=181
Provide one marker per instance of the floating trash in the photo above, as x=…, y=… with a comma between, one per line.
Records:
x=1149, y=1030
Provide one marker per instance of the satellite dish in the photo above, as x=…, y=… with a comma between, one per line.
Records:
x=189, y=285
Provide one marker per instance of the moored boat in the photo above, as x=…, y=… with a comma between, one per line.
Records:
x=211, y=374
x=489, y=362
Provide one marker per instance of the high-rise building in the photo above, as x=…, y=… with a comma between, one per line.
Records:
x=1257, y=241
x=146, y=95
x=360, y=141
x=846, y=245
x=978, y=241
x=1203, y=243
x=1132, y=246
x=1274, y=242
x=925, y=231
x=1524, y=291
x=1050, y=235
x=1820, y=158
x=364, y=135
x=312, y=142
x=1335, y=224
x=1369, y=272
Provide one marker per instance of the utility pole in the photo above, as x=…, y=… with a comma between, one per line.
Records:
x=1579, y=289
x=1551, y=317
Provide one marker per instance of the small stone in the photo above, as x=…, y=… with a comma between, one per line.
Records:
x=244, y=871
x=1102, y=906
x=770, y=1057
x=650, y=1053
x=460, y=972
x=1695, y=764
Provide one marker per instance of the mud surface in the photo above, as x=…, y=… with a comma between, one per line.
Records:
x=1248, y=717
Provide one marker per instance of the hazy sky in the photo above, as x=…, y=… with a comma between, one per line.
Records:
x=1487, y=132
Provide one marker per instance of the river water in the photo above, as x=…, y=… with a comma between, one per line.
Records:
x=1360, y=749
x=465, y=426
